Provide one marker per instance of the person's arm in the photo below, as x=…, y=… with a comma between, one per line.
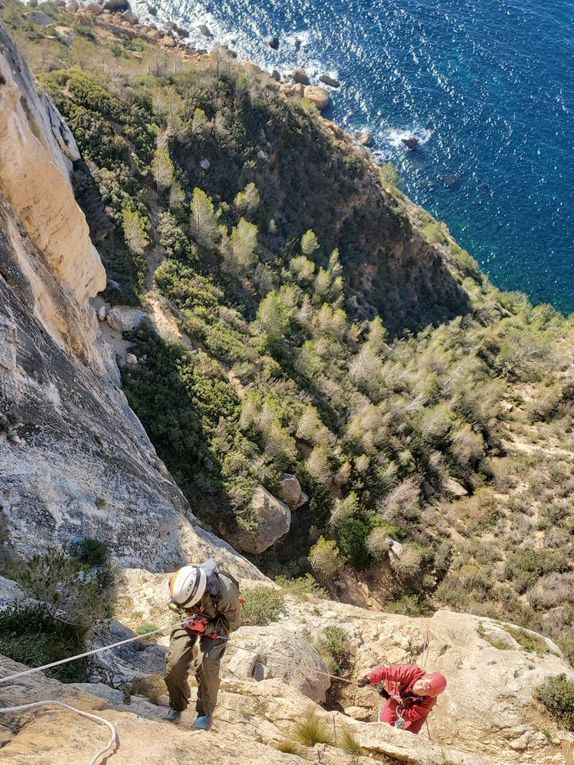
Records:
x=228, y=617
x=419, y=711
x=397, y=673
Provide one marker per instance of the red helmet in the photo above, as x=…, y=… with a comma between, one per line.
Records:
x=435, y=683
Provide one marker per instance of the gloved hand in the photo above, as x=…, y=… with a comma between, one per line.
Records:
x=196, y=624
x=363, y=681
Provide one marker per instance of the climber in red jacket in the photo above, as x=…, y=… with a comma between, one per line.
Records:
x=410, y=693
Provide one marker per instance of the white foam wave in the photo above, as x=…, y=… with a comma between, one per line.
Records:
x=395, y=136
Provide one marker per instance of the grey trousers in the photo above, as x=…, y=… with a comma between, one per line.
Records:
x=206, y=660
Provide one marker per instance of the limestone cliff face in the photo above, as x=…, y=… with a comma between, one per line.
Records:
x=75, y=461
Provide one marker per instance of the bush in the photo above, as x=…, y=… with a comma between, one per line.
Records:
x=333, y=647
x=31, y=636
x=93, y=552
x=352, y=537
x=304, y=585
x=557, y=695
x=528, y=641
x=324, y=558
x=68, y=589
x=262, y=606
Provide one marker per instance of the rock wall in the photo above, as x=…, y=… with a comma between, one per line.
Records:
x=75, y=461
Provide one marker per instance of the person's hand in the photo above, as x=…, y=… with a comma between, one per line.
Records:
x=363, y=681
x=196, y=625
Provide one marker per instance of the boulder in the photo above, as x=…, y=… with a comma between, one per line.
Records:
x=291, y=493
x=317, y=96
x=72, y=7
x=41, y=18
x=269, y=520
x=271, y=652
x=274, y=43
x=131, y=359
x=94, y=9
x=411, y=142
x=10, y=591
x=275, y=76
x=168, y=41
x=124, y=319
x=205, y=30
x=292, y=90
x=300, y=76
x=453, y=488
x=155, y=34
x=330, y=81
x=65, y=35
x=364, y=138
x=205, y=164
x=130, y=17
x=125, y=663
x=102, y=312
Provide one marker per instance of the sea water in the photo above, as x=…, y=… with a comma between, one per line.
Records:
x=487, y=86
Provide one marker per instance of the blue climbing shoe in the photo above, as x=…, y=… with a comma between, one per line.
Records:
x=202, y=723
x=172, y=716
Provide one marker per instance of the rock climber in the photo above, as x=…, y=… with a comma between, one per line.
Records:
x=208, y=602
x=410, y=693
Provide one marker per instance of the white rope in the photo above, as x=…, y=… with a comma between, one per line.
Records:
x=106, y=750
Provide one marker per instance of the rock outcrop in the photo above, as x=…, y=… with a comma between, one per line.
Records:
x=268, y=520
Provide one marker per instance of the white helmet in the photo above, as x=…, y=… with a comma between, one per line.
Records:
x=186, y=586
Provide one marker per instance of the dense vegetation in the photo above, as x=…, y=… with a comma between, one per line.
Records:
x=335, y=331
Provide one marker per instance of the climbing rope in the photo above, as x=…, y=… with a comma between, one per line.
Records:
x=105, y=751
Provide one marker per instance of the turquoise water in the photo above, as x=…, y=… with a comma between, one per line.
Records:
x=487, y=86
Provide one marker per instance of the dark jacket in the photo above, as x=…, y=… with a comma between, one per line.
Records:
x=220, y=602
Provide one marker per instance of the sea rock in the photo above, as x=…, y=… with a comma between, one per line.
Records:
x=330, y=81
x=117, y=6
x=364, y=138
x=155, y=34
x=291, y=90
x=124, y=318
x=411, y=142
x=130, y=17
x=275, y=76
x=290, y=491
x=270, y=519
x=273, y=43
x=205, y=31
x=317, y=96
x=300, y=76
x=168, y=41
x=41, y=18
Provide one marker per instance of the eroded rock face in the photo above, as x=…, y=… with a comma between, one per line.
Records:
x=317, y=96
x=75, y=461
x=269, y=520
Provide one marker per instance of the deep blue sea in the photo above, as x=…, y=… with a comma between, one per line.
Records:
x=487, y=86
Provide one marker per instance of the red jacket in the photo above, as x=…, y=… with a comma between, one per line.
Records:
x=398, y=682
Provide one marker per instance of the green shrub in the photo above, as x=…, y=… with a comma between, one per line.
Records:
x=288, y=747
x=262, y=606
x=324, y=558
x=333, y=647
x=352, y=536
x=30, y=635
x=301, y=586
x=409, y=605
x=348, y=743
x=557, y=695
x=93, y=552
x=528, y=641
